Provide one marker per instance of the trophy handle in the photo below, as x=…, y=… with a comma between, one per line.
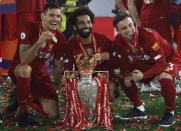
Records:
x=95, y=72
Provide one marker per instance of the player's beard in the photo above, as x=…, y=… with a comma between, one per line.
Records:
x=84, y=34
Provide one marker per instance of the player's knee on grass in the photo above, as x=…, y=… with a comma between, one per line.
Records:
x=50, y=107
x=114, y=91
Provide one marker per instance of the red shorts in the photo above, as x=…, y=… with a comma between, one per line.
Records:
x=172, y=68
x=41, y=84
x=162, y=27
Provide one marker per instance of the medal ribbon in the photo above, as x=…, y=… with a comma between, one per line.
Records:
x=135, y=41
x=83, y=49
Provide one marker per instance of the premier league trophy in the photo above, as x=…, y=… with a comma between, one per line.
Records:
x=87, y=90
x=87, y=87
x=87, y=98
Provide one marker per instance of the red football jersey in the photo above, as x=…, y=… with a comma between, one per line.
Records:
x=100, y=45
x=40, y=79
x=27, y=6
x=28, y=11
x=155, y=12
x=150, y=53
x=0, y=28
x=138, y=5
x=30, y=33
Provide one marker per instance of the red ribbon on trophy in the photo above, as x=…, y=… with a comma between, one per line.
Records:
x=103, y=113
x=75, y=111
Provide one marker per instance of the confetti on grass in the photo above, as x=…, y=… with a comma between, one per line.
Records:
x=154, y=104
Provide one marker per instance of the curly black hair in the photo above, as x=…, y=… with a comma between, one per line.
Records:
x=72, y=19
x=119, y=17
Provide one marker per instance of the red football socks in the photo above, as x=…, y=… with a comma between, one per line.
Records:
x=168, y=92
x=23, y=89
x=132, y=94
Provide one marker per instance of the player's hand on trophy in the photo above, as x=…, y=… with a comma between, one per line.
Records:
x=127, y=81
x=137, y=75
x=64, y=77
x=63, y=80
x=105, y=56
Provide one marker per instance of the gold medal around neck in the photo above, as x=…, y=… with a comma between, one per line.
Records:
x=134, y=50
x=89, y=51
x=54, y=39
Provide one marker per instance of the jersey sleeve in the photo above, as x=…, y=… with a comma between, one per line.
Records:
x=107, y=46
x=156, y=53
x=121, y=58
x=60, y=48
x=25, y=35
x=68, y=59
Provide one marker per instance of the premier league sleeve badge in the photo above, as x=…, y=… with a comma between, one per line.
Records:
x=22, y=35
